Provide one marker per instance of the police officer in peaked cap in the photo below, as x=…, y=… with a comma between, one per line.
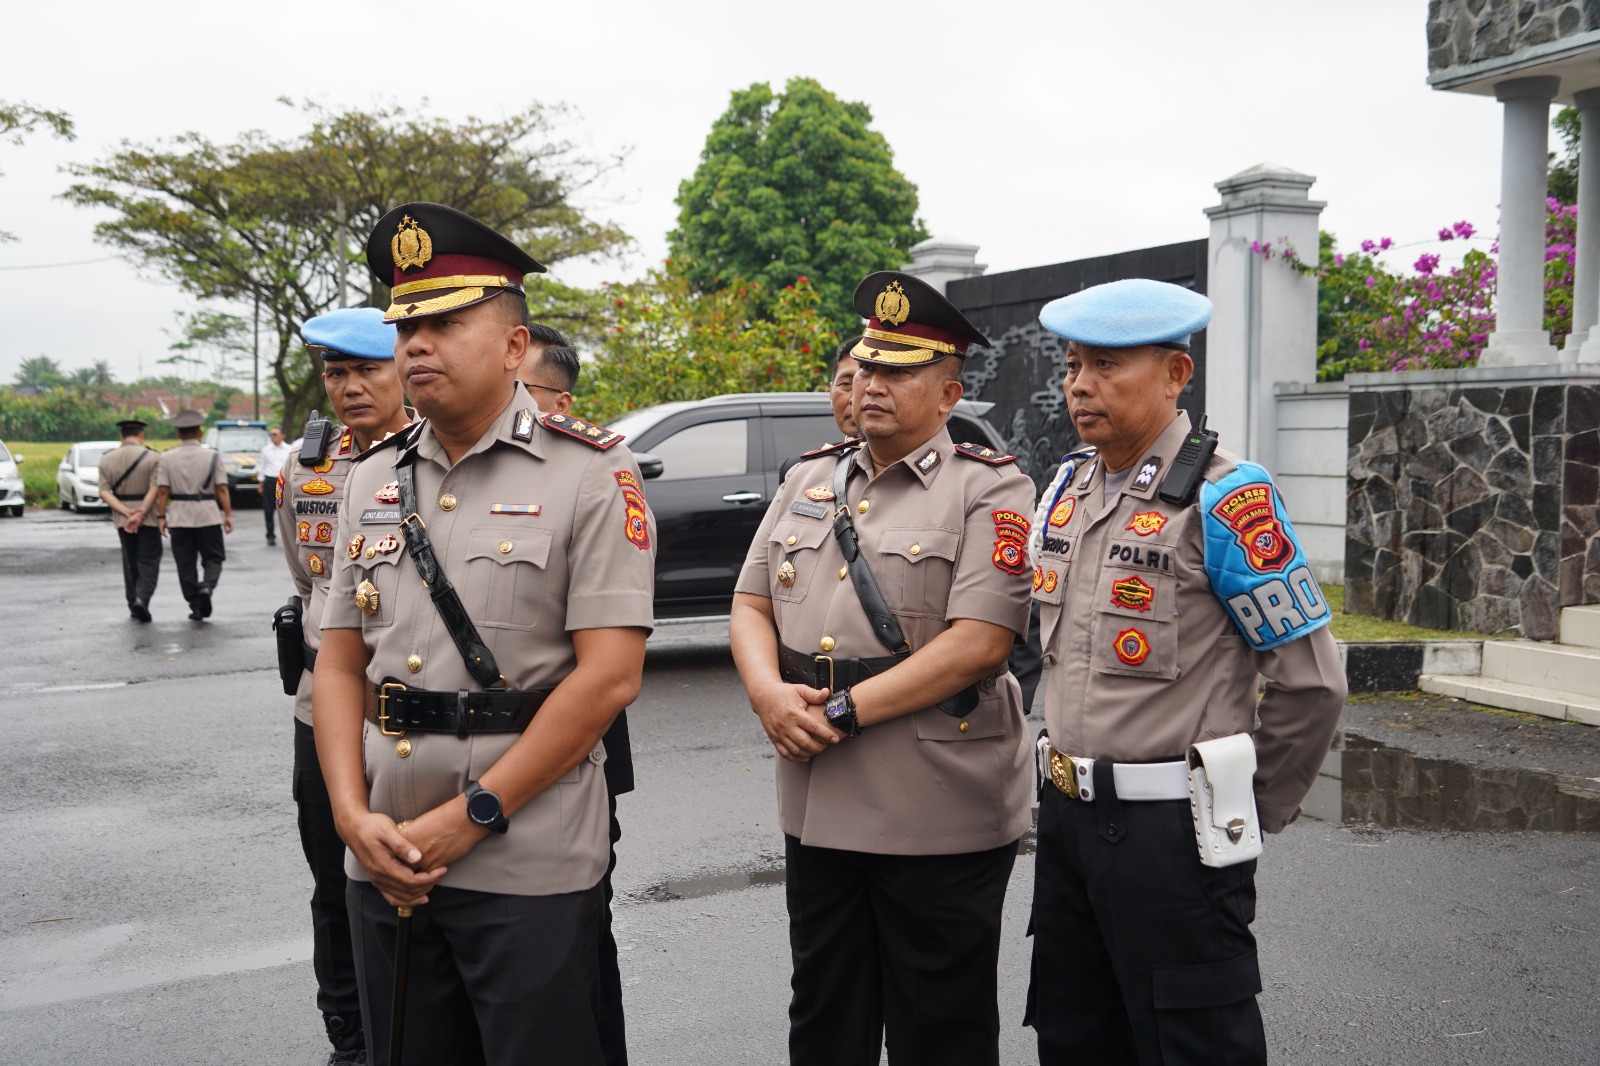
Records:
x=486, y=620
x=1169, y=579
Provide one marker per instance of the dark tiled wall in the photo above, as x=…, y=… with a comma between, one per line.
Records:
x=1474, y=507
x=1470, y=31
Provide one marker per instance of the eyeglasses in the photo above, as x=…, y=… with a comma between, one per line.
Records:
x=546, y=388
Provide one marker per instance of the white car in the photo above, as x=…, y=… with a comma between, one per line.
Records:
x=11, y=495
x=78, y=476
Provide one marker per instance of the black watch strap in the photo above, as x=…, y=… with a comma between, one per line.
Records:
x=496, y=824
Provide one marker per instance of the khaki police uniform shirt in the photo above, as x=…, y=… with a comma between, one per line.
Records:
x=540, y=536
x=932, y=527
x=1144, y=659
x=308, y=501
x=115, y=464
x=186, y=470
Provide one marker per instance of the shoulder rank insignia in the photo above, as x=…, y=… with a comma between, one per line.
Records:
x=594, y=436
x=830, y=449
x=402, y=439
x=523, y=430
x=984, y=455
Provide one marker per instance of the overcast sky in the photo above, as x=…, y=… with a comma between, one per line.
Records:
x=1042, y=132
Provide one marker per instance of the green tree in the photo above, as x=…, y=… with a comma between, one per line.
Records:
x=794, y=184
x=40, y=372
x=669, y=342
x=19, y=120
x=1563, y=175
x=281, y=222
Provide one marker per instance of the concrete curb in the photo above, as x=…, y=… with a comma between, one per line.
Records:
x=1395, y=665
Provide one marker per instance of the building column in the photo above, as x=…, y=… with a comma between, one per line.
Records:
x=1519, y=338
x=1586, y=269
x=941, y=260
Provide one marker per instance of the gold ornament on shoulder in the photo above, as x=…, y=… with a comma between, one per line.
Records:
x=411, y=246
x=893, y=307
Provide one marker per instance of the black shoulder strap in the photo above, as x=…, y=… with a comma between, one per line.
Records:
x=474, y=652
x=884, y=623
x=117, y=484
x=211, y=474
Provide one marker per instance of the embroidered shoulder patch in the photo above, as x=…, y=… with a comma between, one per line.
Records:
x=1011, y=541
x=984, y=455
x=635, y=517
x=278, y=492
x=594, y=436
x=1249, y=543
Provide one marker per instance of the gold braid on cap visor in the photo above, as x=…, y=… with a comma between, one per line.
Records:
x=470, y=288
x=923, y=350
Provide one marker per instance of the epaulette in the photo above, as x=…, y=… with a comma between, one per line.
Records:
x=984, y=455
x=400, y=439
x=594, y=436
x=831, y=449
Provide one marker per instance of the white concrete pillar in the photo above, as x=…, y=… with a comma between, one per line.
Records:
x=1519, y=338
x=1586, y=269
x=1264, y=328
x=941, y=260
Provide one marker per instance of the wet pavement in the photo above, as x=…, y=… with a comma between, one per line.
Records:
x=153, y=900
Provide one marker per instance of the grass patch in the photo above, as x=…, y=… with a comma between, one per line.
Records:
x=40, y=461
x=1365, y=627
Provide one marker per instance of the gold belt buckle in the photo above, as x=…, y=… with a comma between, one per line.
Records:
x=383, y=710
x=1064, y=774
x=829, y=660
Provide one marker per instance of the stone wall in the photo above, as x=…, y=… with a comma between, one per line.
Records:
x=1470, y=31
x=1473, y=497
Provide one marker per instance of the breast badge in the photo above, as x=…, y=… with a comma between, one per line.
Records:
x=820, y=493
x=1132, y=647
x=1132, y=594
x=324, y=466
x=367, y=598
x=390, y=493
x=315, y=564
x=786, y=574
x=316, y=487
x=353, y=549
x=1250, y=514
x=324, y=533
x=1147, y=522
x=1051, y=580
x=1011, y=542
x=303, y=531
x=387, y=545
x=1038, y=578
x=1061, y=513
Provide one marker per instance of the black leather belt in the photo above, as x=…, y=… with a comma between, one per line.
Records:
x=131, y=499
x=311, y=656
x=829, y=672
x=404, y=710
x=190, y=496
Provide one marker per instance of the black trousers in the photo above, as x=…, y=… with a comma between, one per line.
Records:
x=331, y=955
x=141, y=562
x=269, y=508
x=205, y=544
x=613, y=1027
x=494, y=980
x=1141, y=954
x=903, y=944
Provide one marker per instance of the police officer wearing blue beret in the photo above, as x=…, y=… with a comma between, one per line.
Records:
x=1169, y=580
x=357, y=350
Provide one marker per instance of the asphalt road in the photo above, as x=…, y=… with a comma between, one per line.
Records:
x=153, y=901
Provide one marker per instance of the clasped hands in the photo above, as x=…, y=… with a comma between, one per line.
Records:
x=794, y=719
x=404, y=861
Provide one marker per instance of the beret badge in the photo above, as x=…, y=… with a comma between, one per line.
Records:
x=892, y=307
x=411, y=245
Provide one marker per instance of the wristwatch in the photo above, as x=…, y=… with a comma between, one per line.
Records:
x=840, y=711
x=483, y=807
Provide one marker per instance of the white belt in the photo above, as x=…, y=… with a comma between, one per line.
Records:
x=1135, y=781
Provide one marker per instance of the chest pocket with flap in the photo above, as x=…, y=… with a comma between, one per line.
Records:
x=385, y=573
x=915, y=566
x=505, y=582
x=799, y=541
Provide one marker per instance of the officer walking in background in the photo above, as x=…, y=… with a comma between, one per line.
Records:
x=880, y=677
x=550, y=372
x=128, y=487
x=192, y=506
x=269, y=464
x=486, y=621
x=1169, y=580
x=356, y=347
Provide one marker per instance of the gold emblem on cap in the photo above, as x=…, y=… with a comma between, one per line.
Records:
x=411, y=246
x=892, y=307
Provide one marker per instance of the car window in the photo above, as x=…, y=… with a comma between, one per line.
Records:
x=71, y=458
x=92, y=456
x=794, y=434
x=710, y=449
x=240, y=439
x=5, y=456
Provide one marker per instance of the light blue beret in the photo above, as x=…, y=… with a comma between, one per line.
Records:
x=1125, y=314
x=350, y=333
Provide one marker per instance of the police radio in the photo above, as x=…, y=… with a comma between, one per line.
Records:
x=315, y=443
x=1183, y=477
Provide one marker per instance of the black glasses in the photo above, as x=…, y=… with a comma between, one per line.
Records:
x=546, y=388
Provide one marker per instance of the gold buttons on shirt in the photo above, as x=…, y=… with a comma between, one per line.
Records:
x=370, y=553
x=862, y=506
x=791, y=541
x=963, y=727
x=505, y=547
x=402, y=747
x=844, y=572
x=916, y=549
x=447, y=502
x=827, y=644
x=414, y=663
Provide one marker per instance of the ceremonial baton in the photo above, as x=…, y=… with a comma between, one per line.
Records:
x=402, y=968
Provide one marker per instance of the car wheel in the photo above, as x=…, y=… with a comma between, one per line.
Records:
x=16, y=511
x=66, y=502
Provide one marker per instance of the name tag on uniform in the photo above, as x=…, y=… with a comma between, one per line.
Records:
x=813, y=510
x=385, y=515
x=316, y=507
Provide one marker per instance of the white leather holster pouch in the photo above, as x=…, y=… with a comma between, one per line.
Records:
x=1222, y=799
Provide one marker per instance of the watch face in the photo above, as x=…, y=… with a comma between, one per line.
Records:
x=483, y=807
x=836, y=707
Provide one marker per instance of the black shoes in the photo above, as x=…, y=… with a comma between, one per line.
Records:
x=202, y=603
x=139, y=610
x=348, y=1040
